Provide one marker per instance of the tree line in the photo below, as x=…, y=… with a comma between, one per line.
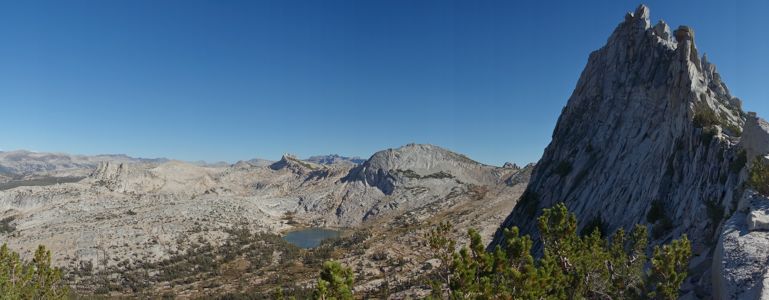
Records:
x=572, y=266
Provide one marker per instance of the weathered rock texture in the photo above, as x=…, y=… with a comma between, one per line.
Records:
x=741, y=260
x=130, y=213
x=386, y=168
x=649, y=123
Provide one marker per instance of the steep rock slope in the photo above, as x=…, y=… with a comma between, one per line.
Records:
x=740, y=267
x=648, y=136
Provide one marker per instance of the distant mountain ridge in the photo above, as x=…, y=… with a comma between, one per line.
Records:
x=335, y=159
x=21, y=163
x=149, y=211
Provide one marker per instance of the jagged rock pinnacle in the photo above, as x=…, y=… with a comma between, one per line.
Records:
x=640, y=16
x=632, y=134
x=642, y=12
x=684, y=33
x=662, y=30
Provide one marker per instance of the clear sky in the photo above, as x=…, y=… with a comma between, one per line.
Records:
x=230, y=80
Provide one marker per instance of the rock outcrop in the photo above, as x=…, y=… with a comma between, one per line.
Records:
x=294, y=164
x=386, y=168
x=755, y=138
x=741, y=260
x=650, y=123
x=741, y=263
x=510, y=165
x=173, y=177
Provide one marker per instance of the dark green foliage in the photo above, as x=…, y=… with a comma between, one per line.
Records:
x=596, y=223
x=409, y=174
x=201, y=263
x=334, y=283
x=658, y=216
x=656, y=212
x=379, y=256
x=34, y=279
x=325, y=251
x=442, y=248
x=529, y=201
x=734, y=129
x=715, y=211
x=758, y=177
x=739, y=162
x=572, y=267
x=439, y=175
x=662, y=227
x=563, y=168
x=669, y=265
x=414, y=175
x=6, y=226
x=707, y=135
x=705, y=117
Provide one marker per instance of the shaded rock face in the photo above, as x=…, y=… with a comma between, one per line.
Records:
x=649, y=123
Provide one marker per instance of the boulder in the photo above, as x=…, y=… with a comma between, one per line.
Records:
x=758, y=220
x=755, y=136
x=741, y=259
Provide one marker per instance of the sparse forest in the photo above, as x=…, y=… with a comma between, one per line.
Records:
x=34, y=279
x=571, y=266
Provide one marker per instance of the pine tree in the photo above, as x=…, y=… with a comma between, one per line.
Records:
x=572, y=266
x=335, y=282
x=442, y=247
x=668, y=268
x=29, y=280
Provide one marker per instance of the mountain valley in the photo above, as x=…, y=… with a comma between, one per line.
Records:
x=127, y=215
x=651, y=139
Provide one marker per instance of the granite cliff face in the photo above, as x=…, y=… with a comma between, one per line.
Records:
x=740, y=268
x=648, y=136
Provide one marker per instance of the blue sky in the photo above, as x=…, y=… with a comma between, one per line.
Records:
x=230, y=80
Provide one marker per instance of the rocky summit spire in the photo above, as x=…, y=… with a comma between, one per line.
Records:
x=647, y=136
